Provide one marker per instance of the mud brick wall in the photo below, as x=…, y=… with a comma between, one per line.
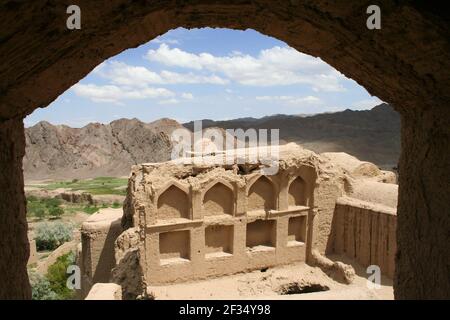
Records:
x=365, y=232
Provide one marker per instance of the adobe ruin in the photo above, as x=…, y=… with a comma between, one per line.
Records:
x=405, y=63
x=191, y=221
x=202, y=221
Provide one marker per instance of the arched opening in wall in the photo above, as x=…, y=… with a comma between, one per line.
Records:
x=173, y=77
x=315, y=27
x=297, y=193
x=218, y=200
x=173, y=203
x=124, y=111
x=261, y=195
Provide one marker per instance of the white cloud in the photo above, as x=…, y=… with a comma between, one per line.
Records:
x=165, y=40
x=178, y=58
x=293, y=100
x=275, y=66
x=169, y=101
x=137, y=76
x=114, y=94
x=309, y=100
x=122, y=74
x=271, y=67
x=170, y=77
x=366, y=104
x=98, y=69
x=187, y=95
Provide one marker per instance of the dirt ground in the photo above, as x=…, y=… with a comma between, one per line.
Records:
x=282, y=282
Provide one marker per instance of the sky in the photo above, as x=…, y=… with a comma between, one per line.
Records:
x=206, y=73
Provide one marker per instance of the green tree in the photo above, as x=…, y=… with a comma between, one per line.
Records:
x=41, y=288
x=52, y=202
x=57, y=276
x=56, y=211
x=40, y=213
x=90, y=209
x=49, y=236
x=116, y=205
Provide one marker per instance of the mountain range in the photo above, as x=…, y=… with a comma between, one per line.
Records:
x=62, y=152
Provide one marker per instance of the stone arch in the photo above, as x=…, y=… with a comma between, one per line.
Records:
x=45, y=59
x=171, y=183
x=173, y=203
x=108, y=30
x=218, y=199
x=261, y=195
x=297, y=193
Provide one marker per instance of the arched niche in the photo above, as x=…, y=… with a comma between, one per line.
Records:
x=173, y=203
x=297, y=194
x=261, y=195
x=219, y=199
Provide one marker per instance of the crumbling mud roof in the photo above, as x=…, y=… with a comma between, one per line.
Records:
x=231, y=165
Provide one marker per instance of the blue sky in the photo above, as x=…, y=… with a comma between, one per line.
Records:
x=205, y=73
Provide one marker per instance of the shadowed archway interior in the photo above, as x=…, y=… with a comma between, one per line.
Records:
x=405, y=63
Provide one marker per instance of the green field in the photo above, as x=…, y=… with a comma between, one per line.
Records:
x=95, y=186
x=48, y=208
x=44, y=208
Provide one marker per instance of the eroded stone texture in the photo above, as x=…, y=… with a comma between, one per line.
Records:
x=14, y=248
x=405, y=63
x=423, y=225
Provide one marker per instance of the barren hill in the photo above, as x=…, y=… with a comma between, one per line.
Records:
x=370, y=135
x=110, y=149
x=96, y=149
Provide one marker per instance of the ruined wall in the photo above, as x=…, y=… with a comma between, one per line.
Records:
x=330, y=185
x=366, y=232
x=193, y=221
x=98, y=234
x=223, y=241
x=236, y=221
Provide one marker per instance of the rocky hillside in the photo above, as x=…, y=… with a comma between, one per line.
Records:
x=96, y=149
x=370, y=135
x=110, y=149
